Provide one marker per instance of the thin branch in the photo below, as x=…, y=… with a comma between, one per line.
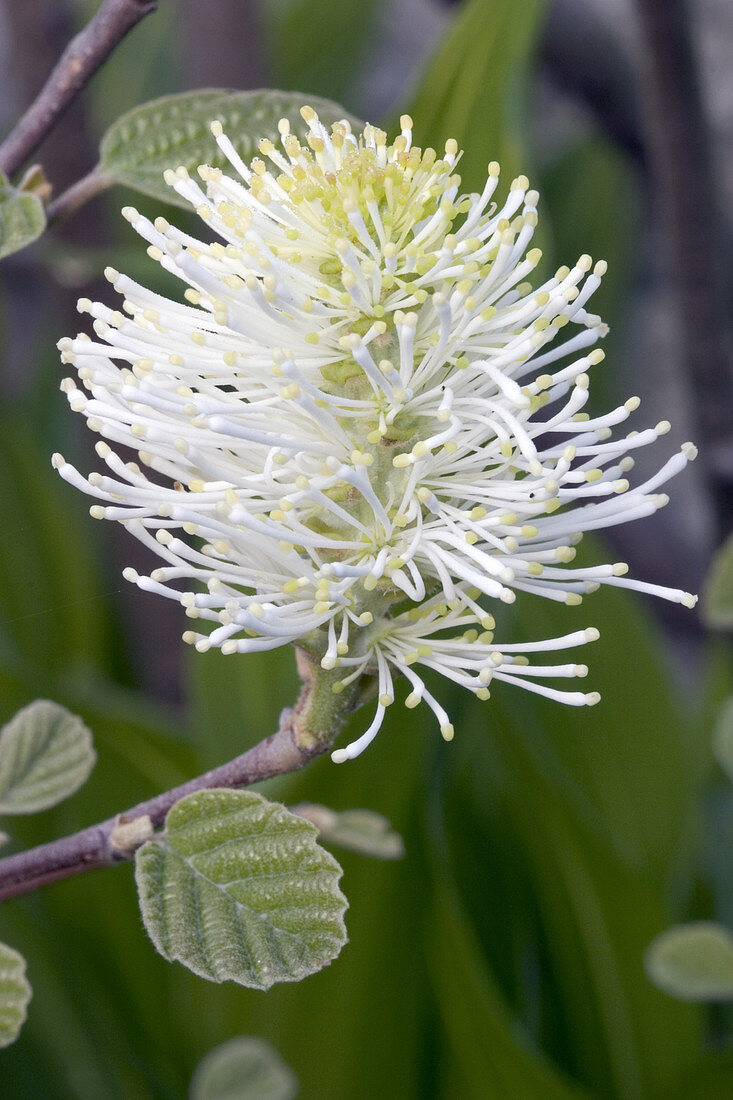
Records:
x=115, y=840
x=77, y=195
x=680, y=160
x=76, y=66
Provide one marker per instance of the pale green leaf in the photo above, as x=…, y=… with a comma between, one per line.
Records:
x=245, y=1068
x=46, y=754
x=238, y=889
x=717, y=597
x=174, y=130
x=362, y=831
x=22, y=218
x=15, y=993
x=693, y=962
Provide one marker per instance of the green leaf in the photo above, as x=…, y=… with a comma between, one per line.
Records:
x=174, y=130
x=723, y=738
x=693, y=962
x=46, y=754
x=238, y=889
x=362, y=831
x=245, y=1068
x=15, y=993
x=22, y=218
x=717, y=597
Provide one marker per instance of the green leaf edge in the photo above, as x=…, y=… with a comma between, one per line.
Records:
x=34, y=212
x=9, y=957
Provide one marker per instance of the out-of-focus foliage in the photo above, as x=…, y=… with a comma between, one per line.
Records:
x=22, y=218
x=46, y=754
x=717, y=599
x=357, y=830
x=473, y=88
x=245, y=1068
x=694, y=962
x=15, y=993
x=545, y=848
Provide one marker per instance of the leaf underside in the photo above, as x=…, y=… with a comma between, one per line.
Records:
x=174, y=131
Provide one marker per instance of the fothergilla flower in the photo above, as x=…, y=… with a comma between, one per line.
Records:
x=366, y=424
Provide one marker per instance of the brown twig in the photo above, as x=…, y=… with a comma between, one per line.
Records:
x=293, y=746
x=76, y=66
x=680, y=161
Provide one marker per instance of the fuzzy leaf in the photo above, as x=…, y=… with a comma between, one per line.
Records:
x=245, y=1068
x=22, y=218
x=238, y=889
x=174, y=130
x=15, y=993
x=362, y=831
x=46, y=754
x=693, y=962
x=717, y=597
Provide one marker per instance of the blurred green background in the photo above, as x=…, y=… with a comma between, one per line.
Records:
x=503, y=957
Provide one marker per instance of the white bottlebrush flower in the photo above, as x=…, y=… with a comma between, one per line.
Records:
x=366, y=424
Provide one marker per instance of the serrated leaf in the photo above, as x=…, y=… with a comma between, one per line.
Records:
x=174, y=130
x=717, y=596
x=22, y=218
x=245, y=1068
x=46, y=754
x=693, y=962
x=362, y=831
x=238, y=889
x=15, y=993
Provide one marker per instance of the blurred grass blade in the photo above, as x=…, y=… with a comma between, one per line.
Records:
x=717, y=596
x=245, y=1068
x=495, y=1058
x=238, y=889
x=54, y=601
x=15, y=993
x=473, y=88
x=319, y=40
x=723, y=738
x=46, y=754
x=693, y=962
x=22, y=218
x=174, y=130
